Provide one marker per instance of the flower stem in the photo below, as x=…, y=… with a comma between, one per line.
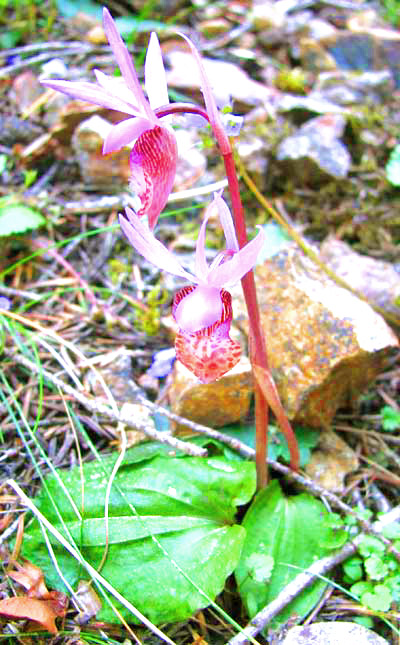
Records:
x=258, y=350
x=264, y=387
x=265, y=390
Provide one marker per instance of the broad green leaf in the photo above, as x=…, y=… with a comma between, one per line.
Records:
x=187, y=504
x=277, y=444
x=17, y=218
x=191, y=486
x=291, y=530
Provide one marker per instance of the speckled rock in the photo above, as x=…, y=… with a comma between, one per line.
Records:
x=336, y=633
x=216, y=404
x=324, y=344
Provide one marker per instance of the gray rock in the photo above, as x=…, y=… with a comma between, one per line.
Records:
x=336, y=633
x=315, y=154
x=314, y=104
x=347, y=87
x=375, y=279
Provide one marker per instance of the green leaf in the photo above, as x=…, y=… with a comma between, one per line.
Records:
x=69, y=8
x=260, y=566
x=379, y=599
x=17, y=218
x=353, y=568
x=275, y=239
x=365, y=621
x=391, y=531
x=127, y=25
x=188, y=504
x=338, y=534
x=390, y=418
x=3, y=161
x=375, y=567
x=393, y=167
x=277, y=445
x=369, y=545
x=359, y=588
x=290, y=531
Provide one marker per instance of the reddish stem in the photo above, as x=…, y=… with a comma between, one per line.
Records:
x=258, y=350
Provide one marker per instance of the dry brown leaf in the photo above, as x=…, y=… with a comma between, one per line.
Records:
x=268, y=388
x=30, y=578
x=40, y=611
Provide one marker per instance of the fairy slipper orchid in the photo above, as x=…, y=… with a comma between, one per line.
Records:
x=203, y=312
x=154, y=154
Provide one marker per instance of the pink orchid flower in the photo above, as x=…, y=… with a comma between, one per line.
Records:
x=203, y=312
x=154, y=155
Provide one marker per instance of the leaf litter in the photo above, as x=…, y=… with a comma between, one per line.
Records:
x=74, y=306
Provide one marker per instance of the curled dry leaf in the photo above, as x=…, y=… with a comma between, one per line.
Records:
x=40, y=611
x=39, y=605
x=30, y=578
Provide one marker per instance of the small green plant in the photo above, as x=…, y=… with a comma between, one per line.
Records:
x=393, y=165
x=148, y=320
x=30, y=176
x=18, y=218
x=291, y=80
x=390, y=418
x=374, y=574
x=392, y=11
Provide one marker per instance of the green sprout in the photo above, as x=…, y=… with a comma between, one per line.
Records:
x=18, y=218
x=393, y=167
x=390, y=418
x=148, y=320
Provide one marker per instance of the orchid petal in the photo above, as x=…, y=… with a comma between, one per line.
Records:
x=232, y=270
x=143, y=240
x=201, y=266
x=124, y=133
x=117, y=87
x=209, y=100
x=226, y=222
x=125, y=63
x=154, y=74
x=92, y=94
x=153, y=164
x=199, y=309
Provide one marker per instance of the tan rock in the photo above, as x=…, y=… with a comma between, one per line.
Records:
x=98, y=170
x=324, y=344
x=216, y=404
x=331, y=462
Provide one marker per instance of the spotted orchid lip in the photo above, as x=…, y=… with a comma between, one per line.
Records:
x=208, y=352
